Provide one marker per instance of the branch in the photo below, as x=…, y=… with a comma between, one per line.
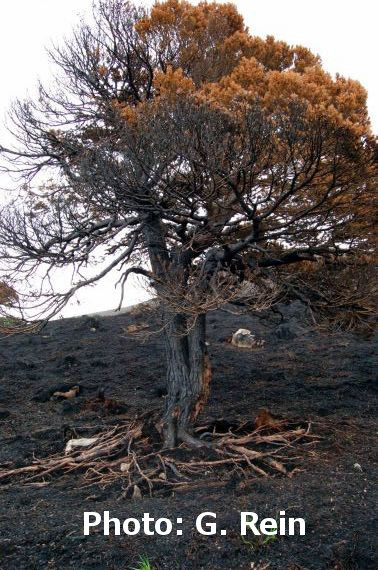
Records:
x=136, y=270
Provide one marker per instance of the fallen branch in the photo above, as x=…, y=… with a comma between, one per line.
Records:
x=127, y=455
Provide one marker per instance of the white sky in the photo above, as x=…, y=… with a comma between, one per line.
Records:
x=342, y=32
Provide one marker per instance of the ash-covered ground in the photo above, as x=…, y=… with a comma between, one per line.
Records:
x=299, y=374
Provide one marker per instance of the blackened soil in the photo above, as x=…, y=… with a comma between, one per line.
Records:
x=299, y=374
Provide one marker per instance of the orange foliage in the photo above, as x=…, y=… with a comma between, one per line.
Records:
x=205, y=54
x=205, y=51
x=173, y=83
x=7, y=294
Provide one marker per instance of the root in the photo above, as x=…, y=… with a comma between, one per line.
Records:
x=194, y=442
x=126, y=455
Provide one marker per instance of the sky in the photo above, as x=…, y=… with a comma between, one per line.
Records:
x=342, y=32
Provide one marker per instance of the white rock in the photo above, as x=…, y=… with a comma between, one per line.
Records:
x=244, y=332
x=243, y=338
x=124, y=467
x=357, y=466
x=72, y=444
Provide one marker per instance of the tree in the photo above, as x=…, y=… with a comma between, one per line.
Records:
x=187, y=151
x=8, y=298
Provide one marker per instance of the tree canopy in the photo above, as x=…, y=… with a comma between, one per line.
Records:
x=185, y=149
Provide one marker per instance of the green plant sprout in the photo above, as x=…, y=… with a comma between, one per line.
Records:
x=143, y=564
x=258, y=542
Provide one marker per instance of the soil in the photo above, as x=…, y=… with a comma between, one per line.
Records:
x=299, y=374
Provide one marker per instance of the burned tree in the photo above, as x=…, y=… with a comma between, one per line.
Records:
x=189, y=152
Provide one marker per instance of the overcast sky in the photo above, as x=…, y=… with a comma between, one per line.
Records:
x=342, y=32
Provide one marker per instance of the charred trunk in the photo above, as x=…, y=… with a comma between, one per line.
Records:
x=188, y=378
x=188, y=366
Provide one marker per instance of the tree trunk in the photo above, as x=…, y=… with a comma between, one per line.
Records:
x=188, y=378
x=188, y=366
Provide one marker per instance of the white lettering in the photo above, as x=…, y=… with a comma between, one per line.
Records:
x=107, y=521
x=247, y=522
x=146, y=519
x=88, y=524
x=211, y=526
x=168, y=526
x=126, y=526
x=268, y=526
x=302, y=526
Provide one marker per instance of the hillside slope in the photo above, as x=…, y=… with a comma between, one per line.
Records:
x=299, y=374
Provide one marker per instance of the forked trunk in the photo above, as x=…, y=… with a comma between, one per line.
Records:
x=188, y=378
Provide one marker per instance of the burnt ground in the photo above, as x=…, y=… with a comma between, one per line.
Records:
x=300, y=374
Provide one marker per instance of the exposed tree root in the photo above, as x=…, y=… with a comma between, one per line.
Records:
x=129, y=455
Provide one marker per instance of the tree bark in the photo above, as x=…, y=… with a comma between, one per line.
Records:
x=188, y=365
x=188, y=378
